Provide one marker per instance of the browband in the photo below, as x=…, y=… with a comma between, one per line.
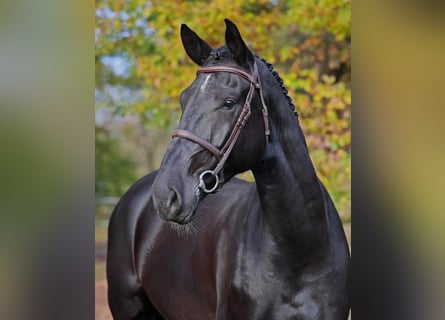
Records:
x=239, y=72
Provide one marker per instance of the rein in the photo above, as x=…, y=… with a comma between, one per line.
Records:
x=222, y=154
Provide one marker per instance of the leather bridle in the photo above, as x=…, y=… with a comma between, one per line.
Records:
x=222, y=154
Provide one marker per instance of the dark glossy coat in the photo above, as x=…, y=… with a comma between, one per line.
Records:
x=273, y=249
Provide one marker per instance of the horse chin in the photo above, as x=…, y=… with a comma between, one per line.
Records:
x=187, y=216
x=188, y=212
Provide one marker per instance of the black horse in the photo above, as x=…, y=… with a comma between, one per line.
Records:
x=191, y=242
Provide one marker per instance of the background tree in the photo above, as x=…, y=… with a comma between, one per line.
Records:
x=115, y=171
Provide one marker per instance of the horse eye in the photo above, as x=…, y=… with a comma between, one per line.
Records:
x=229, y=103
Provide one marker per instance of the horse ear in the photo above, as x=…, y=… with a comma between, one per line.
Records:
x=197, y=49
x=243, y=55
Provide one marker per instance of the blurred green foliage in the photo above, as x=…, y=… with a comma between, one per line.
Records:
x=308, y=42
x=115, y=171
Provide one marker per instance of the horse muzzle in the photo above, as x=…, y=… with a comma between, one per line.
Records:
x=173, y=205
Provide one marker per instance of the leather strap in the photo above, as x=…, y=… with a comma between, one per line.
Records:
x=239, y=72
x=264, y=110
x=203, y=143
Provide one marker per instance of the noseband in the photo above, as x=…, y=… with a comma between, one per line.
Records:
x=222, y=154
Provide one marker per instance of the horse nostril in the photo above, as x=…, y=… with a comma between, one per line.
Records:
x=173, y=202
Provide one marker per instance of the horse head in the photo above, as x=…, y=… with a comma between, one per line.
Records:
x=207, y=149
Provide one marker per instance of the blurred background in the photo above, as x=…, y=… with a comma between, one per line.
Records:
x=52, y=51
x=141, y=68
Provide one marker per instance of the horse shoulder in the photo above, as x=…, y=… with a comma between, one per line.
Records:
x=124, y=287
x=124, y=218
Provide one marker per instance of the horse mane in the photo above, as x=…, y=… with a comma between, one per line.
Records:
x=280, y=83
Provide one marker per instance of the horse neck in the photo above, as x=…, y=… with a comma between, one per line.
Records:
x=290, y=193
